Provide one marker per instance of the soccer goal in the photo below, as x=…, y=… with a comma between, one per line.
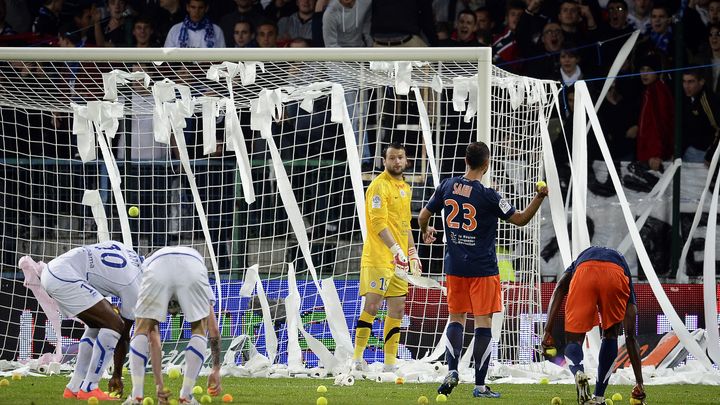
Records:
x=260, y=159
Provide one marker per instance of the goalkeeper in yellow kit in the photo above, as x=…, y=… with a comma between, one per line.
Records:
x=385, y=263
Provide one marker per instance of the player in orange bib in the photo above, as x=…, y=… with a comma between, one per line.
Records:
x=471, y=214
x=597, y=281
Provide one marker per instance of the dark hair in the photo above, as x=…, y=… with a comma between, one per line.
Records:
x=467, y=12
x=144, y=19
x=392, y=145
x=622, y=2
x=694, y=72
x=516, y=5
x=476, y=154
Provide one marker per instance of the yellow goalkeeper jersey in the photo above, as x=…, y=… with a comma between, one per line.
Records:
x=387, y=205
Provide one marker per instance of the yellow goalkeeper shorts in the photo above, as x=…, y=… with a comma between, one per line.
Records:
x=381, y=281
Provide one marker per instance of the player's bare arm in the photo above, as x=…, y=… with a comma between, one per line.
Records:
x=214, y=387
x=427, y=232
x=633, y=350
x=561, y=291
x=521, y=218
x=116, y=383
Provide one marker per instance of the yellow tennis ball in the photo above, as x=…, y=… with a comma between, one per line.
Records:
x=616, y=397
x=544, y=380
x=173, y=373
x=134, y=211
x=17, y=376
x=609, y=401
x=399, y=380
x=422, y=400
x=321, y=401
x=173, y=401
x=551, y=352
x=227, y=398
x=321, y=389
x=197, y=390
x=540, y=184
x=634, y=401
x=441, y=398
x=93, y=401
x=148, y=401
x=4, y=382
x=206, y=399
x=556, y=401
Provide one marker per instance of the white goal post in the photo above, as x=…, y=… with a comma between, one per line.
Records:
x=259, y=159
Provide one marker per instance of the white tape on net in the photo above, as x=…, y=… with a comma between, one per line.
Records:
x=91, y=198
x=292, y=309
x=252, y=282
x=235, y=141
x=336, y=321
x=690, y=344
x=465, y=88
x=439, y=349
x=210, y=113
x=710, y=297
x=580, y=234
x=112, y=79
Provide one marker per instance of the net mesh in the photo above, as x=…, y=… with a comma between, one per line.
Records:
x=45, y=180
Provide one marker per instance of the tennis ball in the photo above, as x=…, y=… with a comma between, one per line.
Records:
x=544, y=380
x=321, y=401
x=206, y=399
x=16, y=376
x=399, y=380
x=114, y=394
x=441, y=398
x=4, y=382
x=634, y=401
x=422, y=400
x=92, y=401
x=540, y=184
x=616, y=396
x=148, y=401
x=134, y=211
x=551, y=352
x=173, y=401
x=227, y=398
x=321, y=389
x=197, y=390
x=609, y=401
x=173, y=373
x=556, y=401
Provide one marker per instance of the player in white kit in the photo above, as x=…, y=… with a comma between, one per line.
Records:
x=79, y=280
x=174, y=273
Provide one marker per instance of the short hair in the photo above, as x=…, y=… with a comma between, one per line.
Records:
x=467, y=12
x=518, y=5
x=144, y=19
x=477, y=154
x=694, y=72
x=392, y=145
x=266, y=22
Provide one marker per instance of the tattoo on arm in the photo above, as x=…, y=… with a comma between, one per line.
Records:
x=215, y=350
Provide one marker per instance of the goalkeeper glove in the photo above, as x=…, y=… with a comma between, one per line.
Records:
x=400, y=261
x=415, y=264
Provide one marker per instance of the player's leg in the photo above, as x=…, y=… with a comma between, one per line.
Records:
x=194, y=358
x=606, y=358
x=391, y=330
x=485, y=300
x=373, y=285
x=458, y=305
x=111, y=326
x=139, y=355
x=82, y=362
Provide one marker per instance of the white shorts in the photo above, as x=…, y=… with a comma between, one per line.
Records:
x=72, y=294
x=176, y=275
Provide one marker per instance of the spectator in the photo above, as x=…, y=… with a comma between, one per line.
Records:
x=505, y=47
x=117, y=31
x=266, y=35
x=464, y=34
x=569, y=71
x=547, y=61
x=613, y=33
x=449, y=10
x=79, y=31
x=168, y=14
x=617, y=115
x=346, y=23
x=714, y=12
x=48, y=20
x=196, y=31
x=711, y=56
x=484, y=26
x=5, y=28
x=18, y=15
x=299, y=43
x=246, y=11
x=244, y=35
x=529, y=30
x=389, y=30
x=298, y=24
x=661, y=35
x=699, y=117
x=701, y=8
x=143, y=33
x=656, y=122
x=640, y=17
x=278, y=9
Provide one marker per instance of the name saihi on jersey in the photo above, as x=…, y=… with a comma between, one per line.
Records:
x=107, y=266
x=471, y=212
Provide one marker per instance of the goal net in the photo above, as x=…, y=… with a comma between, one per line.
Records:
x=259, y=159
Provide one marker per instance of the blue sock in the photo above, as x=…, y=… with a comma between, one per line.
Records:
x=454, y=335
x=574, y=356
x=608, y=354
x=481, y=354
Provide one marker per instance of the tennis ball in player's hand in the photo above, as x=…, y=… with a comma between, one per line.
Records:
x=556, y=401
x=321, y=401
x=92, y=401
x=206, y=399
x=441, y=398
x=321, y=389
x=134, y=211
x=422, y=400
x=616, y=397
x=227, y=398
x=197, y=390
x=173, y=373
x=148, y=401
x=551, y=352
x=540, y=184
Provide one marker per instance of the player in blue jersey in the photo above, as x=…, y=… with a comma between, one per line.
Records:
x=598, y=280
x=473, y=280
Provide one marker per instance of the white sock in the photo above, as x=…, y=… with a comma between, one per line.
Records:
x=101, y=357
x=82, y=360
x=194, y=359
x=138, y=363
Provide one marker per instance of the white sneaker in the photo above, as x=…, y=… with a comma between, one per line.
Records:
x=133, y=401
x=582, y=386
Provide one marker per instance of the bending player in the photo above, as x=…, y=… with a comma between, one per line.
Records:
x=174, y=273
x=599, y=279
x=384, y=264
x=78, y=281
x=473, y=280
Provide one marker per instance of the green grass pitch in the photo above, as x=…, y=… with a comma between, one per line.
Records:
x=48, y=390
